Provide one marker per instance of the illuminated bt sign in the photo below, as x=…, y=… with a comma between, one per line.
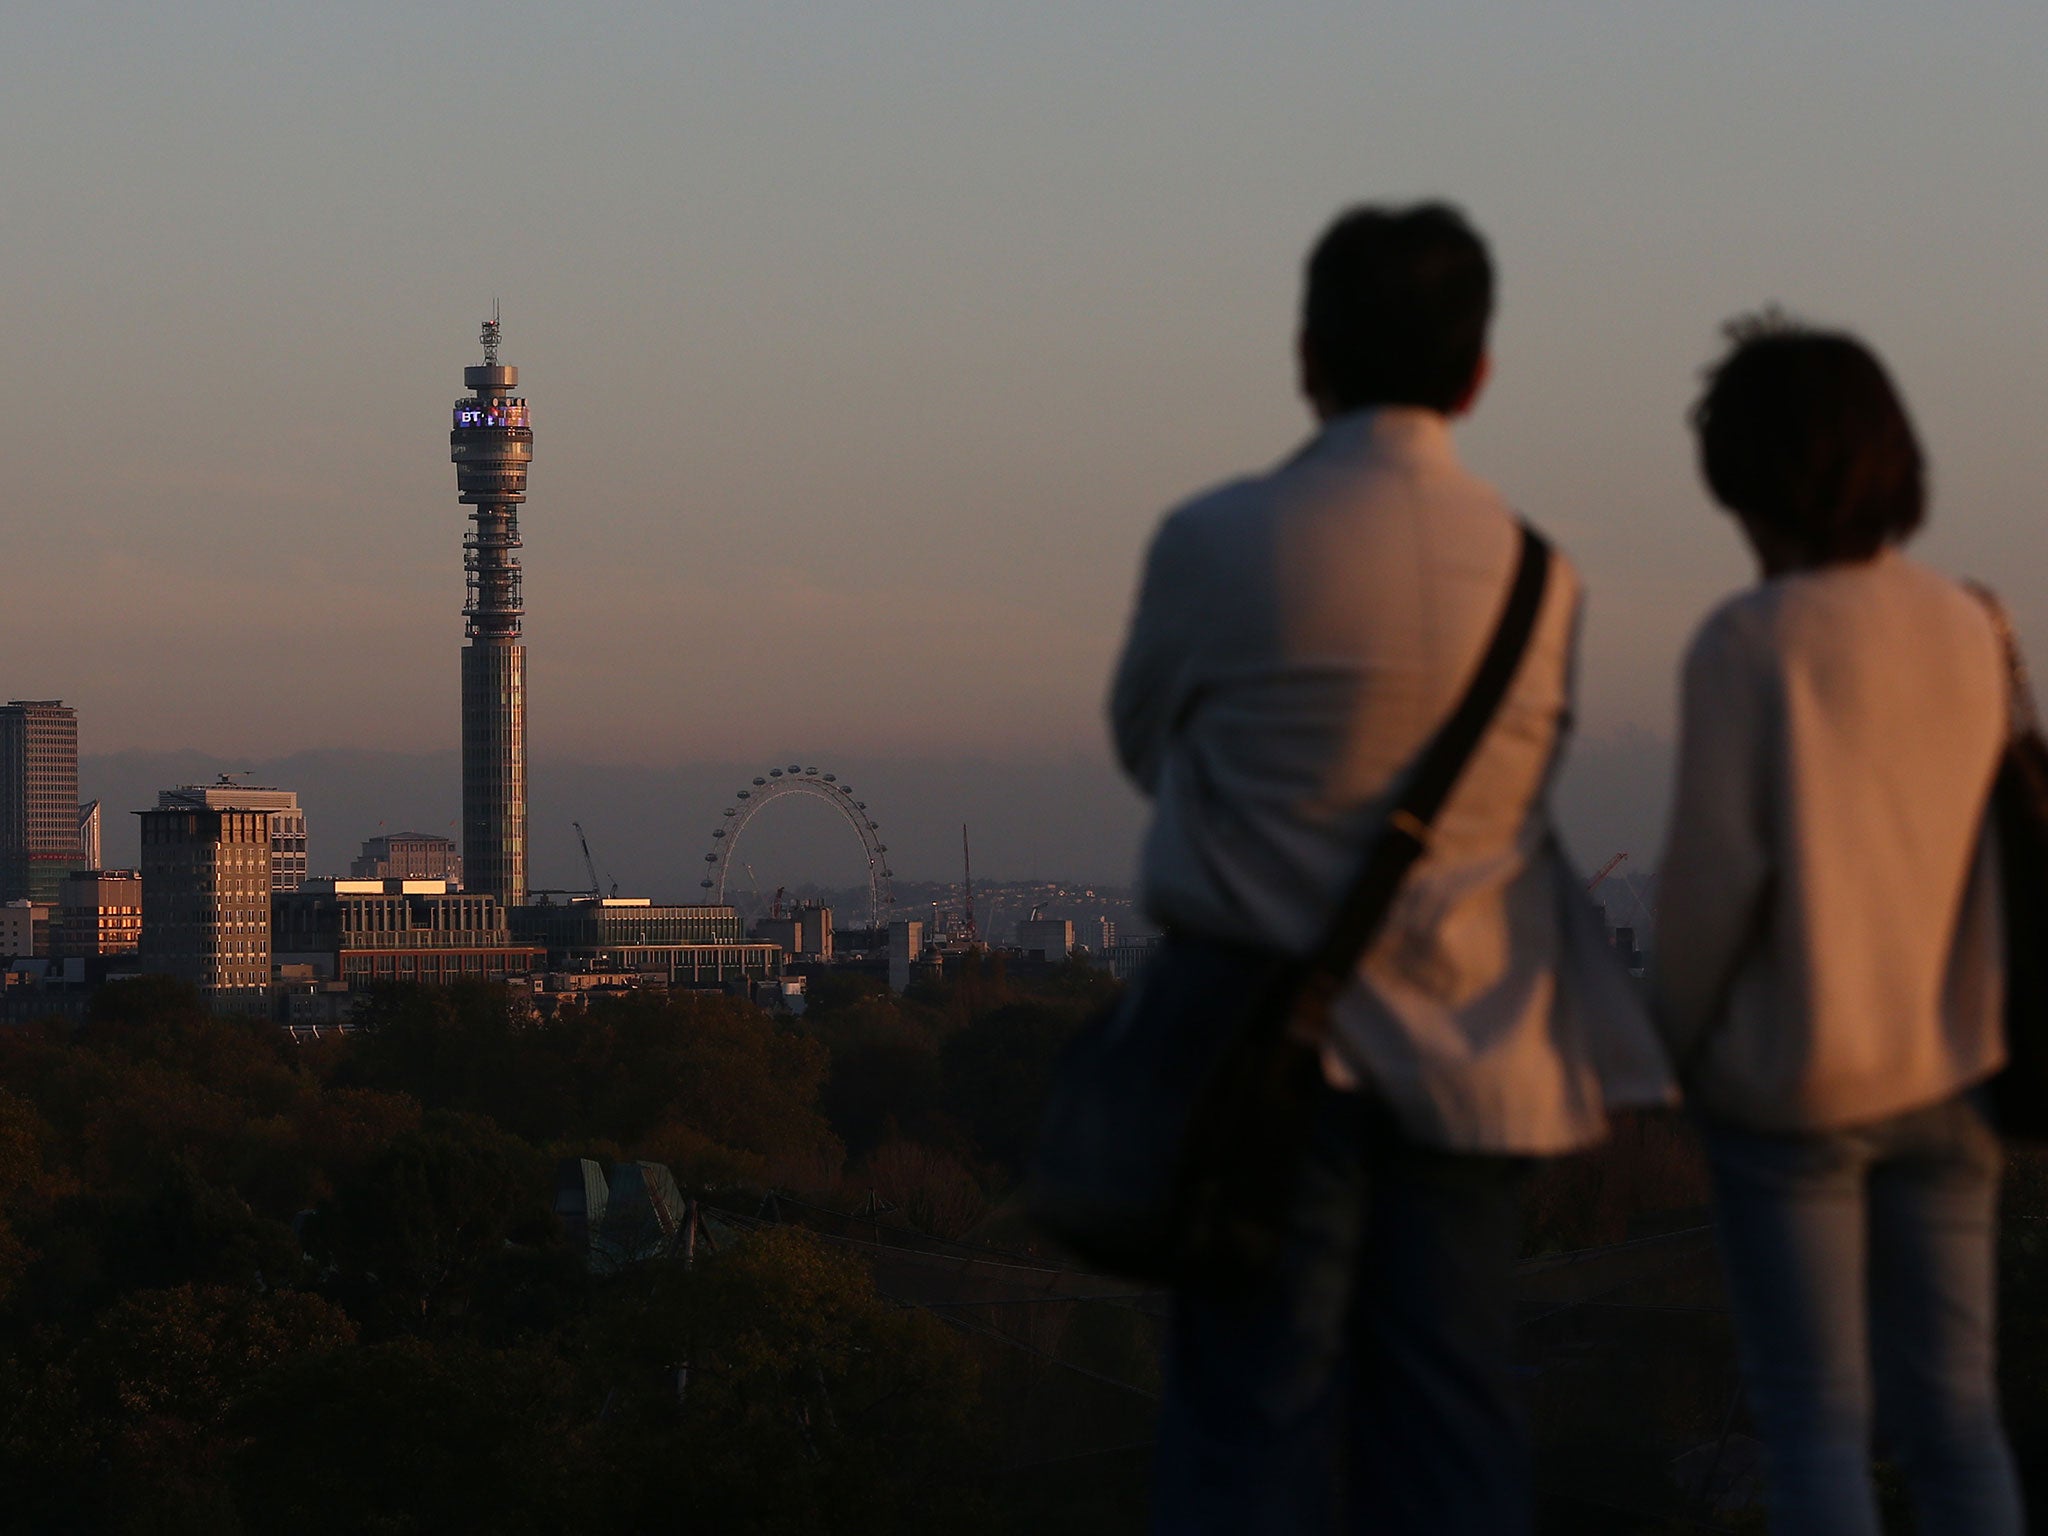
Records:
x=491, y=414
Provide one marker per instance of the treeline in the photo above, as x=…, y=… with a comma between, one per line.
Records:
x=247, y=1285
x=250, y=1286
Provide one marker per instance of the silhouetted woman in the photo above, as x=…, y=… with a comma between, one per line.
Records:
x=1828, y=971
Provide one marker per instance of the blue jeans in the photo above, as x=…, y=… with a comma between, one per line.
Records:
x=1368, y=1384
x=1861, y=1247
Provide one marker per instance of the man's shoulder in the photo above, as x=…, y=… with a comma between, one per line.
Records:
x=1217, y=526
x=1221, y=508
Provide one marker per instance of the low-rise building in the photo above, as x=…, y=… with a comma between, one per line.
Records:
x=25, y=929
x=360, y=932
x=1046, y=938
x=99, y=912
x=1125, y=958
x=682, y=946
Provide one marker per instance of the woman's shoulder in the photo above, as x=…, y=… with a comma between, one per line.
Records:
x=1889, y=597
x=1889, y=600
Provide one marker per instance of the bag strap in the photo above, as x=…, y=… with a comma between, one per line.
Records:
x=1404, y=835
x=2019, y=691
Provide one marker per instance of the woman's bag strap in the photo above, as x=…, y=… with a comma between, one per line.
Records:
x=1404, y=835
x=2021, y=714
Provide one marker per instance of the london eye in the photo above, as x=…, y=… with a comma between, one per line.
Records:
x=780, y=783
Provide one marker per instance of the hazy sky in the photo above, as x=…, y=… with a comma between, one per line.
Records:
x=865, y=344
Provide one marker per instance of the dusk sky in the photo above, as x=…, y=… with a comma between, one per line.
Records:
x=866, y=344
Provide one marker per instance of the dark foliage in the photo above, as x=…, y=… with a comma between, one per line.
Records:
x=247, y=1286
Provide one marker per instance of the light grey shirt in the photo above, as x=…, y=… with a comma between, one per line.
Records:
x=1828, y=940
x=1299, y=636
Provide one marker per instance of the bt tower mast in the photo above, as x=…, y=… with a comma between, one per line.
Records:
x=491, y=446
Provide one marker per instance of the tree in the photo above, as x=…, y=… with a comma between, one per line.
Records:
x=414, y=1231
x=806, y=1404
x=408, y=1438
x=21, y=1181
x=998, y=1070
x=884, y=1076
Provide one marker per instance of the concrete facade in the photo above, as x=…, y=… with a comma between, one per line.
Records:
x=287, y=821
x=206, y=883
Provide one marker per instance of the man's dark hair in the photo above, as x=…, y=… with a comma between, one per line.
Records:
x=1395, y=308
x=1802, y=433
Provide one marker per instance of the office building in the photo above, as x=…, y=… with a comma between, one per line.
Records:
x=906, y=948
x=817, y=935
x=89, y=835
x=25, y=929
x=684, y=946
x=785, y=933
x=360, y=932
x=287, y=821
x=491, y=445
x=408, y=856
x=38, y=798
x=804, y=933
x=1127, y=957
x=1046, y=938
x=206, y=883
x=99, y=912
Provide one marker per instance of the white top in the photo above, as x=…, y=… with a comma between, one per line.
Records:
x=1299, y=637
x=1828, y=929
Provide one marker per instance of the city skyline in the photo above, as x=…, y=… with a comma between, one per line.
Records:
x=875, y=347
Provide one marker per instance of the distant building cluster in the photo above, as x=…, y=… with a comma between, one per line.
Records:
x=224, y=896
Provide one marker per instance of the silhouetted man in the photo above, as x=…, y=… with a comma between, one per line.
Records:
x=1299, y=637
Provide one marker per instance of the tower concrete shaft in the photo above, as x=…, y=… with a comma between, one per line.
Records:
x=491, y=445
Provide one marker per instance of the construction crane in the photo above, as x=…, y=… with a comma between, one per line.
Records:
x=590, y=864
x=1605, y=870
x=967, y=872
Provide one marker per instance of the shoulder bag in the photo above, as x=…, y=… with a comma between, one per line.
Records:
x=2019, y=810
x=1175, y=1113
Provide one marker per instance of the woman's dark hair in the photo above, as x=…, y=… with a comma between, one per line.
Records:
x=1396, y=305
x=1802, y=434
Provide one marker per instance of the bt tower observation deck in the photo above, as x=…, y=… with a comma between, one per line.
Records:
x=491, y=445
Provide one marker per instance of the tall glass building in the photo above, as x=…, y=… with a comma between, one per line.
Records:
x=38, y=798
